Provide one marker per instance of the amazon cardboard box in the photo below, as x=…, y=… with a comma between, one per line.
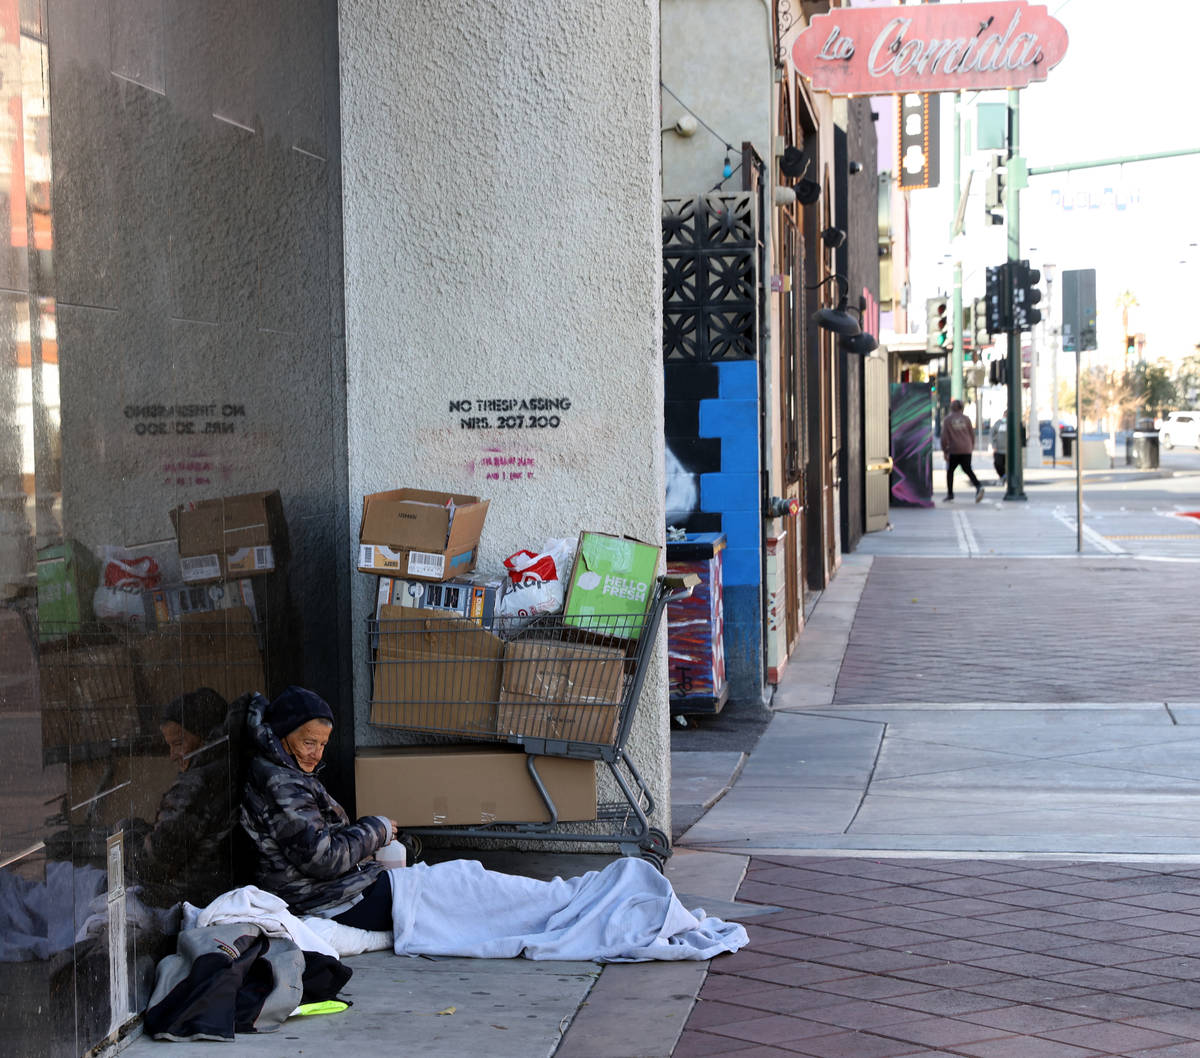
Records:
x=421, y=786
x=229, y=537
x=416, y=533
x=559, y=689
x=435, y=672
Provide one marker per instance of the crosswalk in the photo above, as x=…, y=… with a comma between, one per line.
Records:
x=1038, y=528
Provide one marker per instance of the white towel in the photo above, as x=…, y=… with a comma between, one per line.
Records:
x=251, y=904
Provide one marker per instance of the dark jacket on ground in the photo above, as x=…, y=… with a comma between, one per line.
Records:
x=233, y=978
x=958, y=435
x=309, y=853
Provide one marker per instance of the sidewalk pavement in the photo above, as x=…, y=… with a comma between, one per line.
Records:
x=931, y=855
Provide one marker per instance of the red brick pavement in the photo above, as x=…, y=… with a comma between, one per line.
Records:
x=982, y=959
x=1022, y=630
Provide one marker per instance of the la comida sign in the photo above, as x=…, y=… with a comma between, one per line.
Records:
x=929, y=48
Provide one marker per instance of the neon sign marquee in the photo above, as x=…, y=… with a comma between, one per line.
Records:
x=929, y=48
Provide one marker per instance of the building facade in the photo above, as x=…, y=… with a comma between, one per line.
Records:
x=308, y=251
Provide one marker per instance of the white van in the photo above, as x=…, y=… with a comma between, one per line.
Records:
x=1180, y=428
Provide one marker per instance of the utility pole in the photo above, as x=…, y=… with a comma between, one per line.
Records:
x=956, y=356
x=1048, y=271
x=1013, y=182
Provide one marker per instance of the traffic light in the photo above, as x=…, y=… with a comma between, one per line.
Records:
x=997, y=316
x=1025, y=296
x=937, y=323
x=980, y=336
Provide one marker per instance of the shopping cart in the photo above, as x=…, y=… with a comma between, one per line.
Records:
x=558, y=686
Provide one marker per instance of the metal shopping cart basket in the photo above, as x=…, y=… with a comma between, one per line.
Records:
x=558, y=686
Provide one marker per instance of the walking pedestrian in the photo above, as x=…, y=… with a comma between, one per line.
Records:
x=958, y=442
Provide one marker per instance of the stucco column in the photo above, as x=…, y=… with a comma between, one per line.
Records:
x=501, y=191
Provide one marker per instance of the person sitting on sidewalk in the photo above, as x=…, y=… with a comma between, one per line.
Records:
x=958, y=442
x=309, y=852
x=322, y=865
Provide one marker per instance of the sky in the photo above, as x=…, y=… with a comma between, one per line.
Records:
x=1126, y=86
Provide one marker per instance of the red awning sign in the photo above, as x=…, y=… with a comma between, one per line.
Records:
x=929, y=48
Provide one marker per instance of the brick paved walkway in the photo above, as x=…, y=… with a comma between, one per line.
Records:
x=982, y=959
x=1023, y=630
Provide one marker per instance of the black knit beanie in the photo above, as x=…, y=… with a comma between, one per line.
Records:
x=294, y=707
x=197, y=711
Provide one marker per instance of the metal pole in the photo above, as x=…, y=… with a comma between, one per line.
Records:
x=1039, y=170
x=1048, y=270
x=956, y=355
x=1078, y=458
x=1015, y=477
x=1033, y=453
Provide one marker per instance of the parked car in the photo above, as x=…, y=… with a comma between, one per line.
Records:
x=1180, y=428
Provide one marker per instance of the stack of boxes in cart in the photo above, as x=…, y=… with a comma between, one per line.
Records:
x=136, y=626
x=448, y=659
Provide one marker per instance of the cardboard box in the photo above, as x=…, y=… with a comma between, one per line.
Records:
x=229, y=537
x=88, y=694
x=562, y=671
x=418, y=534
x=559, y=689
x=174, y=601
x=520, y=716
x=612, y=583
x=420, y=786
x=219, y=649
x=435, y=673
x=67, y=575
x=473, y=596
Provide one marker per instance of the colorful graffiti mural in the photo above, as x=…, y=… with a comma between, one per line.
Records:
x=912, y=444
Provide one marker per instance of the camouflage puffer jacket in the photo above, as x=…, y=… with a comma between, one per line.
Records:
x=309, y=853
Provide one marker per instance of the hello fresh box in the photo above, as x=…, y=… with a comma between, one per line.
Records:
x=612, y=583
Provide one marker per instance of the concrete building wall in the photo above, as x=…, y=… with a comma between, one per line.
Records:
x=717, y=63
x=501, y=194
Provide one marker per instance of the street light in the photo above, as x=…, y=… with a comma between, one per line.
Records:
x=851, y=337
x=837, y=320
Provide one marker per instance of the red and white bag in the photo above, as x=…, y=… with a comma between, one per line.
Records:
x=125, y=576
x=537, y=580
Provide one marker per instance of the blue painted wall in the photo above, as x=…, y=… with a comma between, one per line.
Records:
x=712, y=417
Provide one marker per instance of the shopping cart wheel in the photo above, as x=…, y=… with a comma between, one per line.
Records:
x=660, y=844
x=659, y=862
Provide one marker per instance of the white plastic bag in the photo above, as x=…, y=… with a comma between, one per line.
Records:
x=537, y=580
x=124, y=576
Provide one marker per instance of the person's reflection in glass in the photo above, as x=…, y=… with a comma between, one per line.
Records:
x=187, y=852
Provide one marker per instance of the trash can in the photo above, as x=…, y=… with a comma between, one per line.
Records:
x=1068, y=440
x=1145, y=449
